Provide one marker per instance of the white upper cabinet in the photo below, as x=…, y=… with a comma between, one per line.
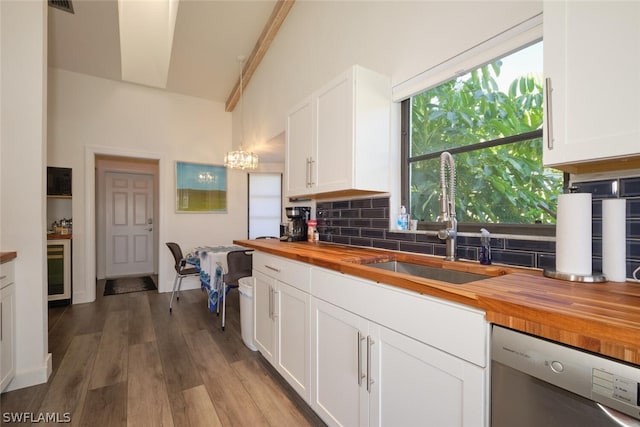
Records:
x=338, y=139
x=591, y=64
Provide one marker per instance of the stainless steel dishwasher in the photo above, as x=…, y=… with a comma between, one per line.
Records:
x=535, y=382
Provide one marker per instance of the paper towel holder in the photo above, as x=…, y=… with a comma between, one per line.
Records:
x=570, y=277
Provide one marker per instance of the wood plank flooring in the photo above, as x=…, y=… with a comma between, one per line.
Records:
x=125, y=361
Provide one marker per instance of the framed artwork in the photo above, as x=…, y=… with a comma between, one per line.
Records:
x=200, y=188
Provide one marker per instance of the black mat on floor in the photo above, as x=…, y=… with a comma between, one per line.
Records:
x=125, y=285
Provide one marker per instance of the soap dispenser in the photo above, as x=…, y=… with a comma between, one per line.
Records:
x=485, y=247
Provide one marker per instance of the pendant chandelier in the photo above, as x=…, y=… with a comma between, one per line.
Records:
x=241, y=159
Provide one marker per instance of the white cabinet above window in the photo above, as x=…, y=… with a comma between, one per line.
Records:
x=591, y=63
x=338, y=138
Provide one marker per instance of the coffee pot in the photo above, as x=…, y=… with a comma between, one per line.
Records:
x=297, y=217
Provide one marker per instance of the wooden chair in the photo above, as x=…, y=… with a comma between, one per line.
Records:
x=239, y=265
x=182, y=270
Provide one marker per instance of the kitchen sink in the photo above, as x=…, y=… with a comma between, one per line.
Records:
x=435, y=273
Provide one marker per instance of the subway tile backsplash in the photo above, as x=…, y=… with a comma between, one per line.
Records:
x=365, y=222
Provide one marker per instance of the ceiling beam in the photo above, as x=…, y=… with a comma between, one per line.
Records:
x=278, y=15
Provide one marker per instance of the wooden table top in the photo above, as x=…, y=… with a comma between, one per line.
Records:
x=603, y=318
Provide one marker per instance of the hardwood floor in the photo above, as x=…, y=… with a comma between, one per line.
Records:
x=125, y=361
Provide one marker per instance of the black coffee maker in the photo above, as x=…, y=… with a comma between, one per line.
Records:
x=297, y=217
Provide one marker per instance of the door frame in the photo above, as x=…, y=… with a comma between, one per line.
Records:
x=90, y=250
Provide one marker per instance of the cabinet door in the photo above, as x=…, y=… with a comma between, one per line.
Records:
x=333, y=150
x=298, y=155
x=293, y=337
x=7, y=335
x=592, y=57
x=416, y=384
x=338, y=338
x=263, y=315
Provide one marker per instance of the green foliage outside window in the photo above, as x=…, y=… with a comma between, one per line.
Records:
x=494, y=184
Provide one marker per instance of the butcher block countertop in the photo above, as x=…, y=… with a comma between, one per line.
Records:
x=7, y=256
x=602, y=318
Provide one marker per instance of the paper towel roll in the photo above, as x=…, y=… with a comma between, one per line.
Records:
x=614, y=244
x=573, y=234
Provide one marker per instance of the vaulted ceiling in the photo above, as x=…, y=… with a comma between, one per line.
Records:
x=206, y=41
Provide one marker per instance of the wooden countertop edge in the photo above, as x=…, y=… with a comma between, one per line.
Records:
x=7, y=256
x=516, y=301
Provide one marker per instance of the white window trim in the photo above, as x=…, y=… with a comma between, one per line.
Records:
x=502, y=44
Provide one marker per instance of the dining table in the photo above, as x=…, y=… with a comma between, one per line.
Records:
x=211, y=262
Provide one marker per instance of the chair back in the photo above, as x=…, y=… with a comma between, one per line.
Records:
x=239, y=264
x=177, y=254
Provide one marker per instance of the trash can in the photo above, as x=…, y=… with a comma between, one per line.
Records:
x=245, y=288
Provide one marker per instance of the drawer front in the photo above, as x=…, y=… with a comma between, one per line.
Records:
x=6, y=274
x=453, y=328
x=292, y=273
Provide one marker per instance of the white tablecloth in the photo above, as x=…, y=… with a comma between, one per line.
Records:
x=212, y=263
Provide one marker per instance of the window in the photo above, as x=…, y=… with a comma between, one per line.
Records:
x=265, y=204
x=490, y=120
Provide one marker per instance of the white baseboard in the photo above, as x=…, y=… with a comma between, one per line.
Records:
x=36, y=376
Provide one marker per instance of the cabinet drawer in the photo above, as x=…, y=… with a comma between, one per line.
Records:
x=293, y=273
x=6, y=274
x=450, y=327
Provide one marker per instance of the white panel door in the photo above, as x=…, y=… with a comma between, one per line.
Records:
x=264, y=326
x=293, y=337
x=129, y=224
x=416, y=384
x=338, y=384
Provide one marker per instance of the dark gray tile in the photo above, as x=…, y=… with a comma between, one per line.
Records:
x=372, y=232
x=513, y=258
x=345, y=240
x=342, y=204
x=596, y=209
x=381, y=202
x=386, y=244
x=407, y=237
x=633, y=229
x=360, y=222
x=596, y=247
x=530, y=245
x=323, y=205
x=598, y=189
x=633, y=249
x=349, y=231
x=633, y=208
x=631, y=267
x=546, y=262
x=419, y=248
x=350, y=213
x=630, y=187
x=426, y=238
x=359, y=241
x=361, y=203
x=340, y=222
x=373, y=213
x=466, y=252
x=380, y=223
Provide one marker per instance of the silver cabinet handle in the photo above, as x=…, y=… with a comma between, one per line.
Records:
x=548, y=89
x=311, y=162
x=308, y=172
x=275, y=301
x=359, y=340
x=370, y=381
x=277, y=270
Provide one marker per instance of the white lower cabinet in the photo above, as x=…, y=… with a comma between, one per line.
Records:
x=281, y=325
x=339, y=395
x=367, y=375
x=366, y=354
x=7, y=324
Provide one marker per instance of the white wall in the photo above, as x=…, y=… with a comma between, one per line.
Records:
x=89, y=116
x=401, y=39
x=22, y=183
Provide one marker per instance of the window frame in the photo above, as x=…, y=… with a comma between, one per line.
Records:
x=496, y=228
